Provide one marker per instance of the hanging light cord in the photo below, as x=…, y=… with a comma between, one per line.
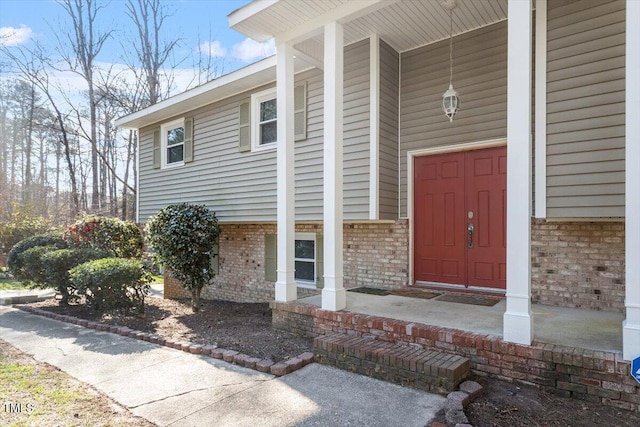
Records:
x=450, y=46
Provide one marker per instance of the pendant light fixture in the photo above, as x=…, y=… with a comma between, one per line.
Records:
x=450, y=99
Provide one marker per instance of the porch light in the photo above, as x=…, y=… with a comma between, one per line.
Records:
x=450, y=99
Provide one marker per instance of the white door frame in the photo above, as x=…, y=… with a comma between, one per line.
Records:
x=441, y=149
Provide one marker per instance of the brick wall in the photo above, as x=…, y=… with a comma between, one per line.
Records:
x=566, y=371
x=375, y=254
x=578, y=264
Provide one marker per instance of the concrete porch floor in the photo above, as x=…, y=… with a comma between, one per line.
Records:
x=593, y=330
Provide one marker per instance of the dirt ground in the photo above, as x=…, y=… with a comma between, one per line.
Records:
x=242, y=327
x=247, y=328
x=37, y=394
x=507, y=404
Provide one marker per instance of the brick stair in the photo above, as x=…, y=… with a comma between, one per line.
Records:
x=399, y=363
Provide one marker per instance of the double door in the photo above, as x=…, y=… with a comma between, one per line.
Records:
x=460, y=218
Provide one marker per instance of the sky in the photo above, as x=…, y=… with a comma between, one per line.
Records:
x=201, y=26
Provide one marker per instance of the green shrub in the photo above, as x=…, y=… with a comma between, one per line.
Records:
x=58, y=263
x=33, y=270
x=183, y=237
x=112, y=283
x=22, y=224
x=122, y=239
x=14, y=261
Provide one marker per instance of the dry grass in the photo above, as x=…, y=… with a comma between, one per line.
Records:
x=37, y=394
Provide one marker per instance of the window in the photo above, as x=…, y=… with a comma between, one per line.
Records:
x=305, y=259
x=173, y=138
x=308, y=260
x=264, y=116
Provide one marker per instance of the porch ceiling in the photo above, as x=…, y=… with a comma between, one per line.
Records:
x=404, y=25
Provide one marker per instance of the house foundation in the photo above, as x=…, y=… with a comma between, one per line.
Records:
x=596, y=376
x=574, y=264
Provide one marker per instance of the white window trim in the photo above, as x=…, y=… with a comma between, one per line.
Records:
x=256, y=100
x=308, y=283
x=163, y=143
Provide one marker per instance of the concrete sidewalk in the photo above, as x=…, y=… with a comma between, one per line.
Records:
x=22, y=296
x=173, y=388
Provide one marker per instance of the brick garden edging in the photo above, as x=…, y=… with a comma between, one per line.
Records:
x=596, y=376
x=230, y=356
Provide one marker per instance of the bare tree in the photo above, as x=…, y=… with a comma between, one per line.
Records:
x=152, y=53
x=86, y=43
x=209, y=64
x=32, y=65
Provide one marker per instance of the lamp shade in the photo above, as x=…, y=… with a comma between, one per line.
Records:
x=450, y=102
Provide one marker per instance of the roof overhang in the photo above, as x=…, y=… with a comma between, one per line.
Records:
x=251, y=76
x=404, y=25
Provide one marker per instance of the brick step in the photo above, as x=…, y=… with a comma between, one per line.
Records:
x=399, y=363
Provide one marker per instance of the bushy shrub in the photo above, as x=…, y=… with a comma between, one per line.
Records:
x=33, y=271
x=112, y=283
x=183, y=237
x=22, y=224
x=15, y=263
x=121, y=239
x=58, y=263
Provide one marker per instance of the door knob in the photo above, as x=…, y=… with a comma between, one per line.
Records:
x=470, y=229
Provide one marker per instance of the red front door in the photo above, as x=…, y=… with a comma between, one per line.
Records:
x=460, y=217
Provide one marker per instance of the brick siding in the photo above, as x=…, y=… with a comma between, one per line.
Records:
x=566, y=371
x=574, y=264
x=375, y=255
x=578, y=264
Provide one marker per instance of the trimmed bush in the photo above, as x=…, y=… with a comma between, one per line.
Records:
x=122, y=239
x=33, y=270
x=112, y=283
x=183, y=237
x=58, y=263
x=14, y=261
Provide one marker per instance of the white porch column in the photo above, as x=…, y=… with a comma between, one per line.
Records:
x=518, y=319
x=286, y=284
x=631, y=325
x=333, y=293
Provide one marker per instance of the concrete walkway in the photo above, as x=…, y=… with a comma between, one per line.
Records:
x=23, y=296
x=172, y=388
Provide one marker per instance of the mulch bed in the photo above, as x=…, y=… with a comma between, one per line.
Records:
x=245, y=328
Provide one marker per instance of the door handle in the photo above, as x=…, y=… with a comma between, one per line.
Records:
x=470, y=229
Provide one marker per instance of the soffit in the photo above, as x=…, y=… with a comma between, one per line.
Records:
x=404, y=24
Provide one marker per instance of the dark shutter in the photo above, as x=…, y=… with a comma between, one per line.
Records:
x=215, y=259
x=156, y=150
x=244, y=140
x=319, y=262
x=188, y=140
x=270, y=257
x=300, y=112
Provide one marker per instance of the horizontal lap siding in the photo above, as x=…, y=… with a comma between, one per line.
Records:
x=241, y=187
x=356, y=137
x=479, y=76
x=388, y=166
x=237, y=186
x=585, y=108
